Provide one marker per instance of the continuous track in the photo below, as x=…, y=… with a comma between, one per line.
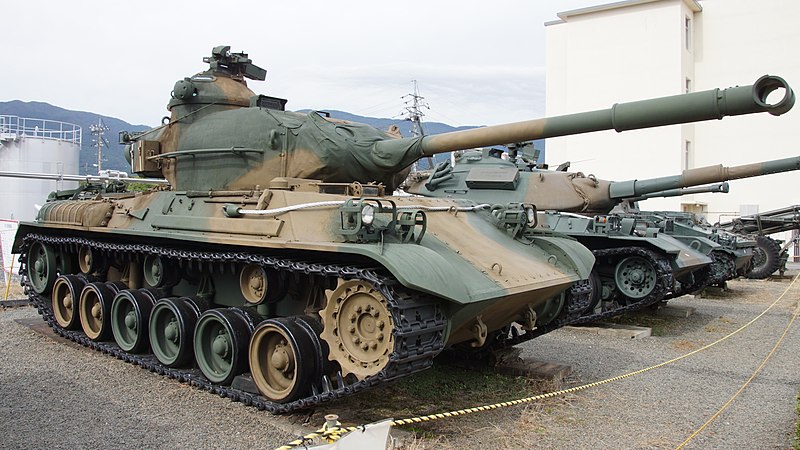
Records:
x=419, y=322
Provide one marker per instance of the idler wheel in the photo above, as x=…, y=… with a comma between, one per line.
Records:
x=66, y=294
x=130, y=316
x=95, y=309
x=221, y=341
x=358, y=327
x=41, y=267
x=635, y=277
x=285, y=359
x=172, y=325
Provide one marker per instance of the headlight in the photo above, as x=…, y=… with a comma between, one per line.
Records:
x=531, y=214
x=367, y=214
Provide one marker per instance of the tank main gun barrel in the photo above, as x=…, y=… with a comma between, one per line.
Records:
x=722, y=188
x=700, y=176
x=677, y=109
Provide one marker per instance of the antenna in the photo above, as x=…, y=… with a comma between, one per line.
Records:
x=98, y=130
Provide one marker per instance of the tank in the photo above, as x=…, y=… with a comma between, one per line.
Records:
x=641, y=259
x=732, y=254
x=284, y=291
x=275, y=262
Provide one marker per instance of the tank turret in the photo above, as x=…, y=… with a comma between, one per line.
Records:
x=222, y=136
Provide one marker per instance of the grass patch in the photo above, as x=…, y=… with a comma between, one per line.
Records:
x=440, y=389
x=659, y=325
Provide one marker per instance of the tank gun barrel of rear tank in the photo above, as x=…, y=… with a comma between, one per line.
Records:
x=677, y=109
x=86, y=178
x=722, y=188
x=700, y=176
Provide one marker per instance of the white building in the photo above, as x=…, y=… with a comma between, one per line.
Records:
x=638, y=49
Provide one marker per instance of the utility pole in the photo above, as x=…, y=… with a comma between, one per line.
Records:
x=98, y=130
x=413, y=110
x=413, y=113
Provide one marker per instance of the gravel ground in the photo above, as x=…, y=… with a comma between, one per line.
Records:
x=660, y=409
x=56, y=395
x=59, y=395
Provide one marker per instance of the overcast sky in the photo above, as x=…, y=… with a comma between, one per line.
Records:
x=476, y=62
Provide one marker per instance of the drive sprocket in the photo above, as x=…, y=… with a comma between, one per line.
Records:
x=358, y=327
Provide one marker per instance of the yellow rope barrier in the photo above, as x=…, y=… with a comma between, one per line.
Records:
x=749, y=380
x=333, y=434
x=8, y=280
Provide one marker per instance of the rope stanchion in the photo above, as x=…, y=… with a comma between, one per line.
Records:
x=333, y=434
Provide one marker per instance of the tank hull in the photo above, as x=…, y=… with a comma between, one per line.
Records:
x=297, y=259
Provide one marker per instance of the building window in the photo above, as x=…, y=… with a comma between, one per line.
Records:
x=687, y=154
x=688, y=86
x=687, y=32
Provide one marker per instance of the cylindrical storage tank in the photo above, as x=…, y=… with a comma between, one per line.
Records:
x=35, y=146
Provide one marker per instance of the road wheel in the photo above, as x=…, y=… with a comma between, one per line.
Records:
x=284, y=359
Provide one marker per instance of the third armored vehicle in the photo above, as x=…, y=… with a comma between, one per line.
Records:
x=769, y=254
